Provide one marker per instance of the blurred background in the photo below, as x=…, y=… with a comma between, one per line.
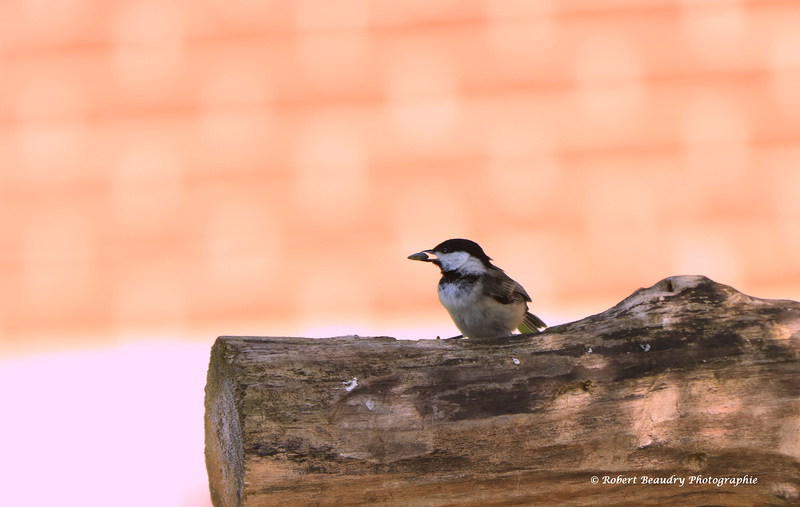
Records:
x=174, y=170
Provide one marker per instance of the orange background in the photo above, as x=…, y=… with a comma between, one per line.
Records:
x=175, y=169
x=264, y=167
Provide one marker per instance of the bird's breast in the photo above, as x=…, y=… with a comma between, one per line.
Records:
x=457, y=292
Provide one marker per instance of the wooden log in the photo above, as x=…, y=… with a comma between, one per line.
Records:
x=685, y=393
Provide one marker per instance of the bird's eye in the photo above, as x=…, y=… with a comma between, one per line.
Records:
x=445, y=250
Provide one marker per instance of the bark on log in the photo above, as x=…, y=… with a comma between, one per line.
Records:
x=685, y=379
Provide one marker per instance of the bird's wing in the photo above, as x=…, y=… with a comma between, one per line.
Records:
x=531, y=324
x=501, y=287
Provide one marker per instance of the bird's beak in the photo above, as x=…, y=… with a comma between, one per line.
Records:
x=422, y=256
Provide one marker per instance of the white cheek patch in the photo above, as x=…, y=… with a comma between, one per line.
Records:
x=473, y=266
x=451, y=261
x=462, y=261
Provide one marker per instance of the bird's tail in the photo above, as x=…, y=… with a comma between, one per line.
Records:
x=531, y=324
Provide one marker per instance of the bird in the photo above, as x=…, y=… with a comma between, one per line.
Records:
x=482, y=300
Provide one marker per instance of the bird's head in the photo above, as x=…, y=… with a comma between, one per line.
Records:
x=456, y=255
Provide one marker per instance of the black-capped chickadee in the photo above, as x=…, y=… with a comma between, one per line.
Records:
x=482, y=300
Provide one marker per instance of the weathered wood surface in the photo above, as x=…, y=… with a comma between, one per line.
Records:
x=686, y=378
